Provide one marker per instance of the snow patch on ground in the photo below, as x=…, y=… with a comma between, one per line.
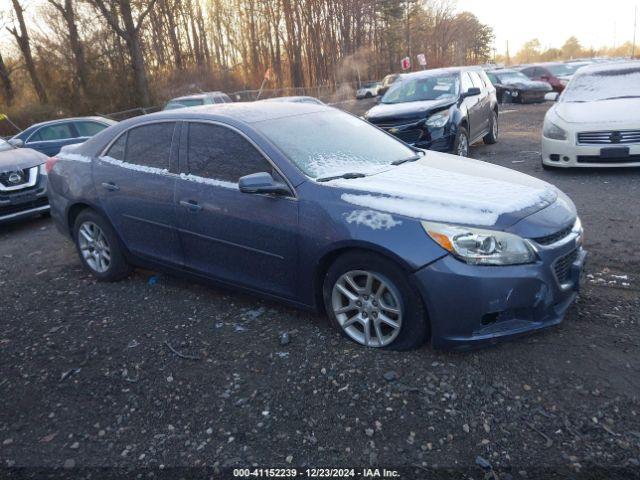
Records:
x=419, y=191
x=372, y=219
x=209, y=181
x=133, y=166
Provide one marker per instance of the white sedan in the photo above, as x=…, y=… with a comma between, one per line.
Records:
x=596, y=121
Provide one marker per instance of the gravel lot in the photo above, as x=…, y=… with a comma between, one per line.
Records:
x=88, y=378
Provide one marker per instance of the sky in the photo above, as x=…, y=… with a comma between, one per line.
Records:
x=594, y=23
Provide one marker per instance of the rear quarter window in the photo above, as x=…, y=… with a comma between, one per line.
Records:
x=147, y=145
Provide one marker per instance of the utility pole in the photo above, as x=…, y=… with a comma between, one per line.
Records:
x=633, y=45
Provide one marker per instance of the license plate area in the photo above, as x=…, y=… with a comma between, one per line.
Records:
x=614, y=152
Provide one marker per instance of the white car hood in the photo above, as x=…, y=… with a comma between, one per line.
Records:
x=621, y=110
x=447, y=188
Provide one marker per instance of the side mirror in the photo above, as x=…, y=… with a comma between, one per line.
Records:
x=472, y=92
x=262, y=182
x=16, y=142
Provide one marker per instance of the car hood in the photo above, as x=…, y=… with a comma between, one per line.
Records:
x=20, y=158
x=620, y=110
x=532, y=85
x=394, y=112
x=446, y=188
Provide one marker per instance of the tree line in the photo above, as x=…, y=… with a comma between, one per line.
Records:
x=83, y=56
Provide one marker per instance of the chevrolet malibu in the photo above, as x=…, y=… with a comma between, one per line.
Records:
x=316, y=208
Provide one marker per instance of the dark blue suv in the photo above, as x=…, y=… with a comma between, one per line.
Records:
x=445, y=109
x=315, y=207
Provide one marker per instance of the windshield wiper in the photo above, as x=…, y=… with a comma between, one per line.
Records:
x=621, y=96
x=417, y=156
x=344, y=175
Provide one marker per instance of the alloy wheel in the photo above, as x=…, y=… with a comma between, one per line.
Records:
x=367, y=307
x=494, y=126
x=463, y=146
x=94, y=247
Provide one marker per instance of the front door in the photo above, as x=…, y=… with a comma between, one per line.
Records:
x=136, y=188
x=49, y=139
x=245, y=239
x=474, y=107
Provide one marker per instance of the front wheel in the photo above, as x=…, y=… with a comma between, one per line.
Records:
x=492, y=137
x=461, y=142
x=99, y=247
x=370, y=301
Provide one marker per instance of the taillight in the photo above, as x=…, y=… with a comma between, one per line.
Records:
x=48, y=166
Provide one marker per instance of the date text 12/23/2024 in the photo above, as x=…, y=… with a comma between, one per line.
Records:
x=315, y=473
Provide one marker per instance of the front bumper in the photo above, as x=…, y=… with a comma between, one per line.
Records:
x=470, y=306
x=26, y=202
x=420, y=136
x=567, y=154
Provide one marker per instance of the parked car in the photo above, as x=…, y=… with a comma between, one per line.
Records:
x=49, y=137
x=596, y=122
x=368, y=90
x=556, y=74
x=387, y=82
x=23, y=182
x=312, y=206
x=514, y=86
x=206, y=98
x=295, y=99
x=445, y=109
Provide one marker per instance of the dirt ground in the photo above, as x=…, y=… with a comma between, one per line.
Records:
x=158, y=372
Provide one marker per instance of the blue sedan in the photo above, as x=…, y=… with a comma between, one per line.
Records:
x=317, y=208
x=49, y=137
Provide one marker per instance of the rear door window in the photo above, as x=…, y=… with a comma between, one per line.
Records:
x=89, y=129
x=147, y=145
x=59, y=131
x=219, y=153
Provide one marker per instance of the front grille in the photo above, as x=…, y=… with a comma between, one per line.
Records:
x=562, y=266
x=22, y=177
x=599, y=159
x=609, y=137
x=21, y=207
x=554, y=237
x=408, y=136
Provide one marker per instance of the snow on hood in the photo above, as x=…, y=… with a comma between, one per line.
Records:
x=406, y=110
x=20, y=158
x=451, y=189
x=619, y=110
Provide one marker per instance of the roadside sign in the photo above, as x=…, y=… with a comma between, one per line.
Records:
x=3, y=116
x=405, y=63
x=422, y=59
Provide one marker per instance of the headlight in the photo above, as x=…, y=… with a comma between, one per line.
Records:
x=438, y=120
x=42, y=170
x=514, y=93
x=480, y=247
x=551, y=130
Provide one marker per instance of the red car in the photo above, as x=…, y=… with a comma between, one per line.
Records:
x=555, y=74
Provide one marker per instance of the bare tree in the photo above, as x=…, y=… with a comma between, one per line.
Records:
x=5, y=78
x=21, y=35
x=119, y=15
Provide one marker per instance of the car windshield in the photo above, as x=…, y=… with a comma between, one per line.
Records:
x=562, y=69
x=369, y=85
x=193, y=102
x=332, y=143
x=4, y=145
x=603, y=84
x=434, y=87
x=512, y=77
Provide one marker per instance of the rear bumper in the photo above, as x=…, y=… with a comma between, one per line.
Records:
x=471, y=306
x=568, y=154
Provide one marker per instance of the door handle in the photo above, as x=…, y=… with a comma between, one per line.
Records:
x=112, y=187
x=191, y=205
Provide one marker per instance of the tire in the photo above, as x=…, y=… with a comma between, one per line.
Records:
x=492, y=137
x=104, y=240
x=412, y=326
x=462, y=138
x=368, y=95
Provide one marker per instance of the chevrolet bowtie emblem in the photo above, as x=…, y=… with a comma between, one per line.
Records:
x=393, y=130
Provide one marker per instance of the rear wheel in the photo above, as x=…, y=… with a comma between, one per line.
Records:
x=461, y=142
x=370, y=301
x=99, y=247
x=492, y=137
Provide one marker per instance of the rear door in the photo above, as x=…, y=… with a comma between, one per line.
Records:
x=49, y=139
x=241, y=238
x=135, y=181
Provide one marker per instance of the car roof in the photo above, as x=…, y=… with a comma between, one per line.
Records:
x=613, y=67
x=196, y=96
x=439, y=71
x=245, y=112
x=74, y=119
